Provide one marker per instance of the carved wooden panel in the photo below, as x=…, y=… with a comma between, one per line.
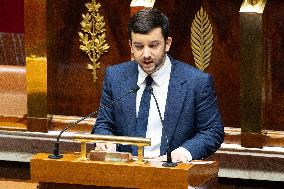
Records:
x=71, y=90
x=274, y=66
x=224, y=64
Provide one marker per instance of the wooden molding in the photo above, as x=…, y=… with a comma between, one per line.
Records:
x=252, y=140
x=36, y=124
x=59, y=122
x=274, y=138
x=13, y=123
x=269, y=137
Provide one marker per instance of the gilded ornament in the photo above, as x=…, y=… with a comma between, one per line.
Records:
x=201, y=39
x=253, y=6
x=93, y=36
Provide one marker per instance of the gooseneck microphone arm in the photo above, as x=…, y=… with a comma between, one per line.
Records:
x=169, y=162
x=56, y=154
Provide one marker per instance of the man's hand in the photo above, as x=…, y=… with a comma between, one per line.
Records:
x=106, y=147
x=177, y=156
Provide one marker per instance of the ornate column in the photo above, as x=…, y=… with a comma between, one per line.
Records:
x=251, y=72
x=36, y=64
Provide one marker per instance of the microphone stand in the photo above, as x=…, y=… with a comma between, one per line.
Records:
x=56, y=154
x=169, y=162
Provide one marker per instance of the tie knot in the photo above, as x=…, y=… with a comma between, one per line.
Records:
x=149, y=81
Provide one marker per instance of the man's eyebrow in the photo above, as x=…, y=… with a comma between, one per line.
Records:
x=156, y=41
x=152, y=42
x=137, y=43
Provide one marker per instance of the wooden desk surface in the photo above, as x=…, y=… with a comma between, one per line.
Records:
x=70, y=169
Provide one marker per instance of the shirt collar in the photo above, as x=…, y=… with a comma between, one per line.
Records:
x=158, y=76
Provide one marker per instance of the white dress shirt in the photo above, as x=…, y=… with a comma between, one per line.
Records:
x=160, y=89
x=160, y=86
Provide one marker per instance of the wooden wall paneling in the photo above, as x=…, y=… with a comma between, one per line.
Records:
x=35, y=28
x=224, y=65
x=225, y=60
x=274, y=64
x=71, y=90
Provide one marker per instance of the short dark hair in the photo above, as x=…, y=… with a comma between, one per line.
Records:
x=144, y=21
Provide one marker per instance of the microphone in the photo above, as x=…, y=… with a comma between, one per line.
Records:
x=56, y=154
x=169, y=162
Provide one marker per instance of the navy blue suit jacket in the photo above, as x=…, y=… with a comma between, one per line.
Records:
x=192, y=119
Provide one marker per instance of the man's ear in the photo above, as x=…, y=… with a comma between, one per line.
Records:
x=168, y=43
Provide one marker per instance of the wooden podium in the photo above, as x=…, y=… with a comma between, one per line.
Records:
x=72, y=172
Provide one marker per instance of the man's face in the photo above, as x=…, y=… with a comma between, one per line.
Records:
x=149, y=50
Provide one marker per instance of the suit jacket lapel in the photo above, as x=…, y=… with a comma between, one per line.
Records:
x=175, y=98
x=129, y=103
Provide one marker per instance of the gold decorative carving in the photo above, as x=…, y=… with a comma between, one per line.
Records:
x=201, y=39
x=93, y=36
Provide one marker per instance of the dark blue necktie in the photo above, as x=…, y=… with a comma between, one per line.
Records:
x=143, y=114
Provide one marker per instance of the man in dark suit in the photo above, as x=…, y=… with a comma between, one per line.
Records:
x=191, y=126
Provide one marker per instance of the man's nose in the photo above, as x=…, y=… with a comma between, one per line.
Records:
x=146, y=53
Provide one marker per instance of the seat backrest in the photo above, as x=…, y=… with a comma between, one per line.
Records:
x=13, y=90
